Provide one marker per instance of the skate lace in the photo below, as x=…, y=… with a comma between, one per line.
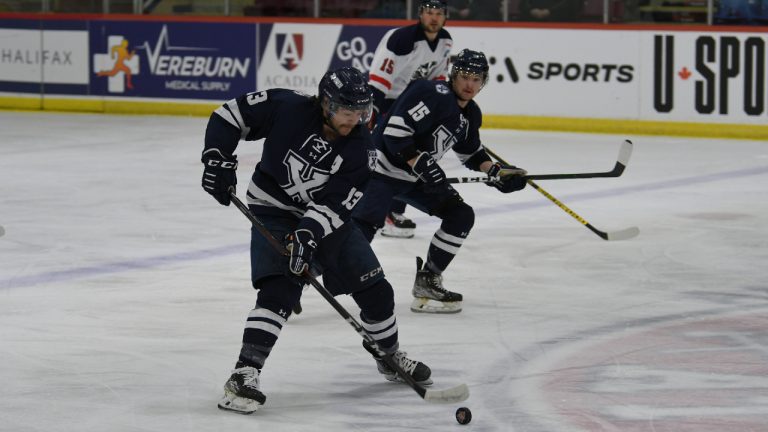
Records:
x=407, y=364
x=436, y=282
x=249, y=377
x=398, y=217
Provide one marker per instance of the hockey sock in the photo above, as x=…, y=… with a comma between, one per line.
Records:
x=448, y=239
x=276, y=299
x=377, y=314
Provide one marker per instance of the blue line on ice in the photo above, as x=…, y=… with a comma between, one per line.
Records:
x=150, y=262
x=118, y=267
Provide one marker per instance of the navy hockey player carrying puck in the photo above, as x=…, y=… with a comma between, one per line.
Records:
x=428, y=119
x=316, y=161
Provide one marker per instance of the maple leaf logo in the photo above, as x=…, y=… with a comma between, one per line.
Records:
x=684, y=73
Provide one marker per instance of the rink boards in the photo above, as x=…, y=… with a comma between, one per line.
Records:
x=671, y=80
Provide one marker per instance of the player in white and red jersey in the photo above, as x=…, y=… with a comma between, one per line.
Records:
x=421, y=50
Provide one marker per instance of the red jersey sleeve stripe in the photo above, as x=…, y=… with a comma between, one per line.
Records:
x=381, y=80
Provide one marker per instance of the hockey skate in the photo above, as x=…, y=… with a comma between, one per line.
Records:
x=419, y=371
x=397, y=225
x=241, y=391
x=429, y=294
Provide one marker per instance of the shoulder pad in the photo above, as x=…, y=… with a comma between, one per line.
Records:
x=286, y=96
x=474, y=114
x=401, y=41
x=441, y=87
x=473, y=108
x=443, y=34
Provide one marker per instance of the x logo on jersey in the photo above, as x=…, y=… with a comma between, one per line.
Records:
x=304, y=179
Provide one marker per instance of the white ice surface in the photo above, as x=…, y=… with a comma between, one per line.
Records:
x=124, y=288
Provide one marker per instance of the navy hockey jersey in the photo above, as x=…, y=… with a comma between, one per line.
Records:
x=300, y=172
x=427, y=118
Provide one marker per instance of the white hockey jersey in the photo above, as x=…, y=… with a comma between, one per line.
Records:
x=403, y=55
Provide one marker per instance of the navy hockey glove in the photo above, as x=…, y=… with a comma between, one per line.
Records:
x=301, y=244
x=219, y=174
x=427, y=169
x=510, y=182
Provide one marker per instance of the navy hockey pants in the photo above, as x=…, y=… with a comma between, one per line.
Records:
x=458, y=218
x=348, y=266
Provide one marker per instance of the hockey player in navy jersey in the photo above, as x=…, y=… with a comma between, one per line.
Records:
x=316, y=160
x=427, y=120
x=404, y=54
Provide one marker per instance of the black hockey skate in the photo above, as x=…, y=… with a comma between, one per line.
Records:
x=241, y=391
x=419, y=371
x=429, y=294
x=397, y=225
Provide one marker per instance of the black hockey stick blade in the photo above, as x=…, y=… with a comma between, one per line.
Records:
x=451, y=395
x=625, y=152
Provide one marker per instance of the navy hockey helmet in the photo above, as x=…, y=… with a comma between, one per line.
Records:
x=346, y=88
x=434, y=4
x=470, y=61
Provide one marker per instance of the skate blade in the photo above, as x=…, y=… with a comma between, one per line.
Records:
x=426, y=305
x=240, y=405
x=396, y=378
x=390, y=231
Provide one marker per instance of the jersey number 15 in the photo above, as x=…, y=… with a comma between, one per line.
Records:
x=387, y=66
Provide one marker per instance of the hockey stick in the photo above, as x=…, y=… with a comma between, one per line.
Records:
x=486, y=179
x=451, y=395
x=621, y=163
x=625, y=151
x=615, y=235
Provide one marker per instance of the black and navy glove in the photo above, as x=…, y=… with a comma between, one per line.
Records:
x=427, y=169
x=219, y=174
x=301, y=244
x=508, y=182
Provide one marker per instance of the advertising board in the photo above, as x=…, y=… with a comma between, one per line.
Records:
x=574, y=75
x=559, y=73
x=176, y=60
x=30, y=57
x=296, y=56
x=710, y=77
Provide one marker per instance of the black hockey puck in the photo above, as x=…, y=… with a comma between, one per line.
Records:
x=463, y=415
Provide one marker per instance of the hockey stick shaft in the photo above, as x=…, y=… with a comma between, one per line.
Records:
x=621, y=163
x=565, y=208
x=625, y=151
x=486, y=179
x=494, y=179
x=452, y=395
x=619, y=235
